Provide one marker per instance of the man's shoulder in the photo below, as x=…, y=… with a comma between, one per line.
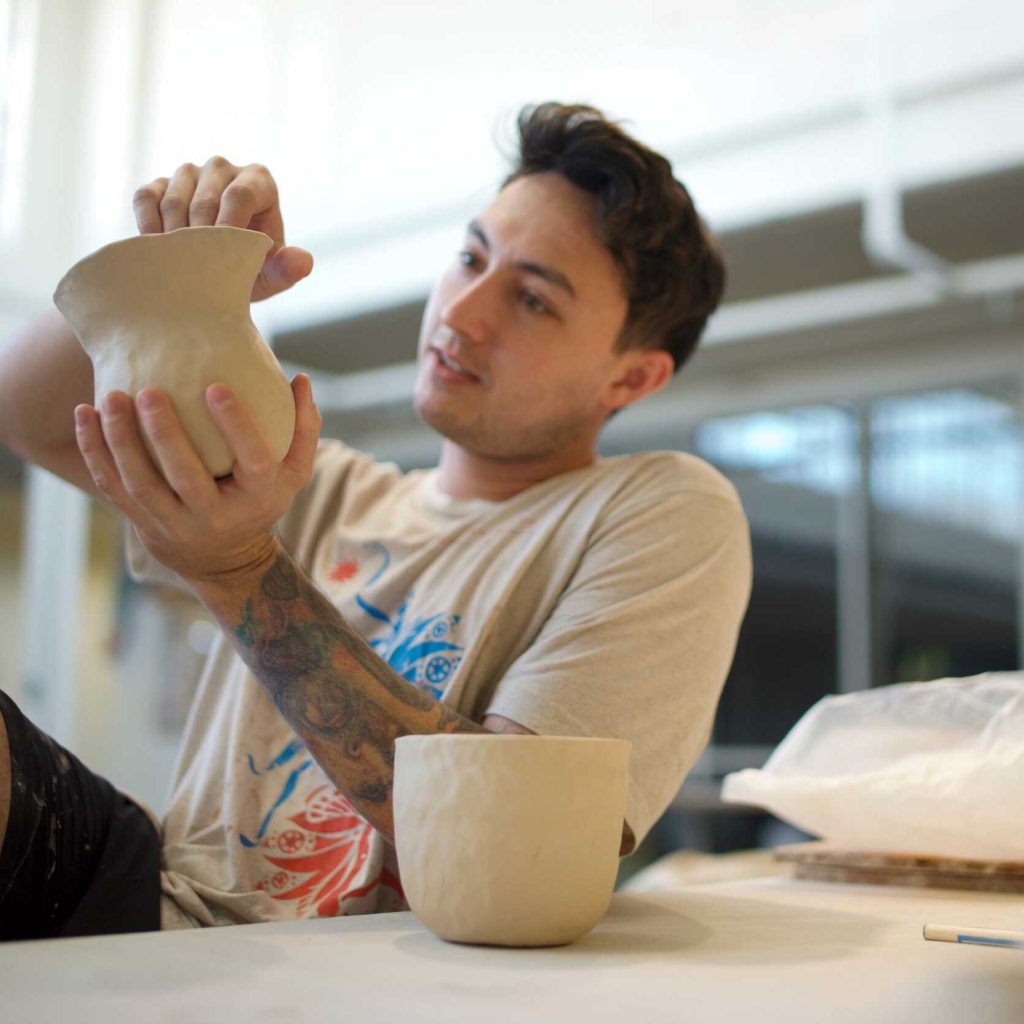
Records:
x=667, y=474
x=667, y=512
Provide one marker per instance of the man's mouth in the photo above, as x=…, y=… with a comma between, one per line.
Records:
x=448, y=364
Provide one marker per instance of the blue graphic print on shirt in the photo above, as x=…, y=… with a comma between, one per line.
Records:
x=421, y=651
x=293, y=748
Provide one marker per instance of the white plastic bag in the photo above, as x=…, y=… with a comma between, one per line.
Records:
x=929, y=768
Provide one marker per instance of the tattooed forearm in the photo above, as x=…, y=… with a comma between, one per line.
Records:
x=452, y=721
x=281, y=582
x=341, y=698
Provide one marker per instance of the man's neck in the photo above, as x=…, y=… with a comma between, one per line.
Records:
x=463, y=474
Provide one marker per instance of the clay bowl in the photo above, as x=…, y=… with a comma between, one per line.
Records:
x=509, y=840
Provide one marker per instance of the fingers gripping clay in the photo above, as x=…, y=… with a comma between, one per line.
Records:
x=509, y=840
x=171, y=311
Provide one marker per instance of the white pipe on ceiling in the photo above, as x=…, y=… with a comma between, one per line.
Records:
x=883, y=232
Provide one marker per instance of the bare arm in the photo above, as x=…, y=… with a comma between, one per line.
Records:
x=44, y=374
x=341, y=698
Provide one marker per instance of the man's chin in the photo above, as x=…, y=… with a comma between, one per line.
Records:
x=468, y=436
x=438, y=420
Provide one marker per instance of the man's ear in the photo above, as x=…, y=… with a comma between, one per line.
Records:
x=642, y=371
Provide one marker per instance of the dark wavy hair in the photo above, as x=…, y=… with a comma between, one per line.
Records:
x=672, y=270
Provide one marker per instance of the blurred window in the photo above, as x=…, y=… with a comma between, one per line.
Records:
x=790, y=469
x=941, y=548
x=949, y=457
x=946, y=484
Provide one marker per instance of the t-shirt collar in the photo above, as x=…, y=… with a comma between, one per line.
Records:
x=434, y=500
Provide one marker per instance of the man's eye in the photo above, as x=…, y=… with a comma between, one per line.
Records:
x=534, y=303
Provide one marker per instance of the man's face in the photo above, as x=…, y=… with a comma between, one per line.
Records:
x=516, y=350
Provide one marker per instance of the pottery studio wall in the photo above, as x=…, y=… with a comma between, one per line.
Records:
x=96, y=634
x=11, y=612
x=385, y=140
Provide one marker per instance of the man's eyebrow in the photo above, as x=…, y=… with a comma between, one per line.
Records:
x=556, y=277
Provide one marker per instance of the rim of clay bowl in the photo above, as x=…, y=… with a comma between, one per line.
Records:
x=531, y=737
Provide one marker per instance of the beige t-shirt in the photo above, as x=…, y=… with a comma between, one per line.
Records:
x=602, y=602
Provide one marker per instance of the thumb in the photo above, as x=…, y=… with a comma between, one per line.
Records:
x=281, y=269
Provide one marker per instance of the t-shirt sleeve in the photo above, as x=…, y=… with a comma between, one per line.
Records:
x=642, y=638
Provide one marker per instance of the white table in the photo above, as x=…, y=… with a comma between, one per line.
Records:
x=763, y=950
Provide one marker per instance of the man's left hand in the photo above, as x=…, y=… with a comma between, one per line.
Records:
x=201, y=527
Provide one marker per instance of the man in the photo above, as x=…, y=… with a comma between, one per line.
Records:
x=523, y=586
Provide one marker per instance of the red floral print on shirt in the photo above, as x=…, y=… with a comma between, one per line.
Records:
x=319, y=857
x=344, y=571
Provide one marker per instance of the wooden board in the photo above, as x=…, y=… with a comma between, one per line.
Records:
x=825, y=863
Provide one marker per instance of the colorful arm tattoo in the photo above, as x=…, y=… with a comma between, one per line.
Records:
x=340, y=697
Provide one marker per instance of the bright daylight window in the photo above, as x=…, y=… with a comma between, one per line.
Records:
x=18, y=23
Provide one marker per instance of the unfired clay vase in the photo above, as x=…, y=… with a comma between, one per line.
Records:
x=509, y=840
x=171, y=311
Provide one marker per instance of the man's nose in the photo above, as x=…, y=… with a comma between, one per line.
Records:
x=470, y=311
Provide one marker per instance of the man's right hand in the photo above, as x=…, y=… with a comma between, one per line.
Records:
x=221, y=193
